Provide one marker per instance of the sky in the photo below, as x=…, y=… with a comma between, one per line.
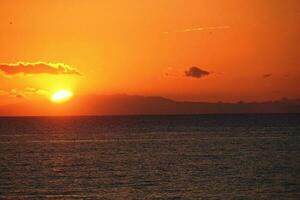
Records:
x=196, y=50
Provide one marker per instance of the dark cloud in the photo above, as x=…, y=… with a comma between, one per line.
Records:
x=37, y=68
x=19, y=96
x=196, y=72
x=267, y=75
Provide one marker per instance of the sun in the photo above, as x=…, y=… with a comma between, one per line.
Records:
x=61, y=96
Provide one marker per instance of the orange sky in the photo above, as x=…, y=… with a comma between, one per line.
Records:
x=249, y=48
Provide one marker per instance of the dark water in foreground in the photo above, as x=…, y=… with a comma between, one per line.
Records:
x=151, y=157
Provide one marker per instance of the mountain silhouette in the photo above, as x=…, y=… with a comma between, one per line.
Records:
x=143, y=105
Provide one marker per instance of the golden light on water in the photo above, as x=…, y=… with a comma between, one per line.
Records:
x=61, y=96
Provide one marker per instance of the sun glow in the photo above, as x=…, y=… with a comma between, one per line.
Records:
x=61, y=96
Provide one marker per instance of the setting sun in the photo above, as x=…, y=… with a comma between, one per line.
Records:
x=61, y=96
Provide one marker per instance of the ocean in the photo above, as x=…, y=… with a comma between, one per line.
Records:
x=240, y=156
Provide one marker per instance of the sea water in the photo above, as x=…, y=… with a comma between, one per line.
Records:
x=151, y=157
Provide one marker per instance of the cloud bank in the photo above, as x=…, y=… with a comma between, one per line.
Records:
x=196, y=72
x=26, y=68
x=23, y=92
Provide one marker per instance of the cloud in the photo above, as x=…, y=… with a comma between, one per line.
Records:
x=16, y=93
x=12, y=93
x=208, y=28
x=24, y=92
x=26, y=68
x=267, y=75
x=196, y=72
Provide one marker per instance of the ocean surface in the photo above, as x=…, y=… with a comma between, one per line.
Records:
x=151, y=157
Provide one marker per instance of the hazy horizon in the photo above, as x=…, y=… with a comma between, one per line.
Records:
x=95, y=105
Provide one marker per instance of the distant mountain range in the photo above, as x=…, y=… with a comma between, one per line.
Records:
x=143, y=105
